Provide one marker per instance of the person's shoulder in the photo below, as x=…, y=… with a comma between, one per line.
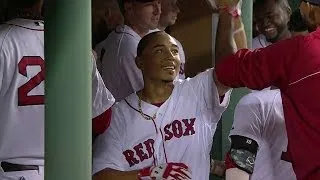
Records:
x=126, y=102
x=4, y=29
x=309, y=38
x=260, y=97
x=259, y=41
x=201, y=75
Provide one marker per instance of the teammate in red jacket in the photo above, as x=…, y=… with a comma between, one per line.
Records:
x=293, y=65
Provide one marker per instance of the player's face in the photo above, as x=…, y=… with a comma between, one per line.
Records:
x=147, y=15
x=169, y=12
x=161, y=61
x=272, y=20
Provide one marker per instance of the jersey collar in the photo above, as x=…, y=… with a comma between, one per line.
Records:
x=127, y=30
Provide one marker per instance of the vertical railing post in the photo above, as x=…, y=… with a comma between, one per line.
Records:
x=68, y=90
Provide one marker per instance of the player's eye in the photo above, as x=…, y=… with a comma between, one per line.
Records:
x=175, y=51
x=158, y=51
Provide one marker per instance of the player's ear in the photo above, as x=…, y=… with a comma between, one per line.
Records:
x=107, y=13
x=127, y=6
x=139, y=63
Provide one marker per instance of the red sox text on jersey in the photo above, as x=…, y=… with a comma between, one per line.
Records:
x=144, y=150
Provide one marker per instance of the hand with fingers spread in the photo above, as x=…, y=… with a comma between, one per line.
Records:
x=169, y=171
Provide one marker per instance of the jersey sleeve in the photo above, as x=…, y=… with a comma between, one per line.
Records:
x=102, y=98
x=204, y=87
x=107, y=148
x=248, y=118
x=100, y=52
x=1, y=68
x=132, y=72
x=260, y=68
x=182, y=59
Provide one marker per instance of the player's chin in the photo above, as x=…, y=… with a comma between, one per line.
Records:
x=154, y=24
x=169, y=78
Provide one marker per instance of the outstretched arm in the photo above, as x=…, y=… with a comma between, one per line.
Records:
x=256, y=69
x=230, y=35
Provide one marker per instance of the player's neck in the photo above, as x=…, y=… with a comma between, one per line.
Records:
x=285, y=35
x=161, y=27
x=26, y=14
x=156, y=92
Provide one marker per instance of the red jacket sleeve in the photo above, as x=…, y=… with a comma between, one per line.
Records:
x=260, y=68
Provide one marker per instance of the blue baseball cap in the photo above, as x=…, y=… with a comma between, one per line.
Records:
x=313, y=2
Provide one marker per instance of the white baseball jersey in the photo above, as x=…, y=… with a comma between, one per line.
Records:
x=260, y=42
x=182, y=131
x=22, y=67
x=116, y=62
x=259, y=116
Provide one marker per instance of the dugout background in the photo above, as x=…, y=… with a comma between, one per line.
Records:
x=194, y=30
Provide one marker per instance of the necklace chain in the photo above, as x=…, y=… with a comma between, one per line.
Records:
x=145, y=116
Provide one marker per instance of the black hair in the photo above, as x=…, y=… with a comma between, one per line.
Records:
x=144, y=42
x=297, y=23
x=21, y=3
x=283, y=3
x=22, y=9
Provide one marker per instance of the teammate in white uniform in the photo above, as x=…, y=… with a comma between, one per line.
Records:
x=272, y=19
x=166, y=122
x=258, y=139
x=22, y=67
x=117, y=53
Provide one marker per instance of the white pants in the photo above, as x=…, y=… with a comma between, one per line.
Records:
x=23, y=175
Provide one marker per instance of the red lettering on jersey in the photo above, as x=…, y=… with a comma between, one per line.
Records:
x=177, y=128
x=129, y=154
x=140, y=151
x=149, y=146
x=189, y=126
x=23, y=98
x=168, y=134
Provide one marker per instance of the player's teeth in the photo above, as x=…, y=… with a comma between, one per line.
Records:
x=269, y=29
x=169, y=67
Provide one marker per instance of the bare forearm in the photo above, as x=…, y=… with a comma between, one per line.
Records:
x=225, y=44
x=240, y=35
x=236, y=174
x=109, y=174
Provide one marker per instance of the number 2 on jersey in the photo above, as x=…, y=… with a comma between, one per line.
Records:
x=23, y=98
